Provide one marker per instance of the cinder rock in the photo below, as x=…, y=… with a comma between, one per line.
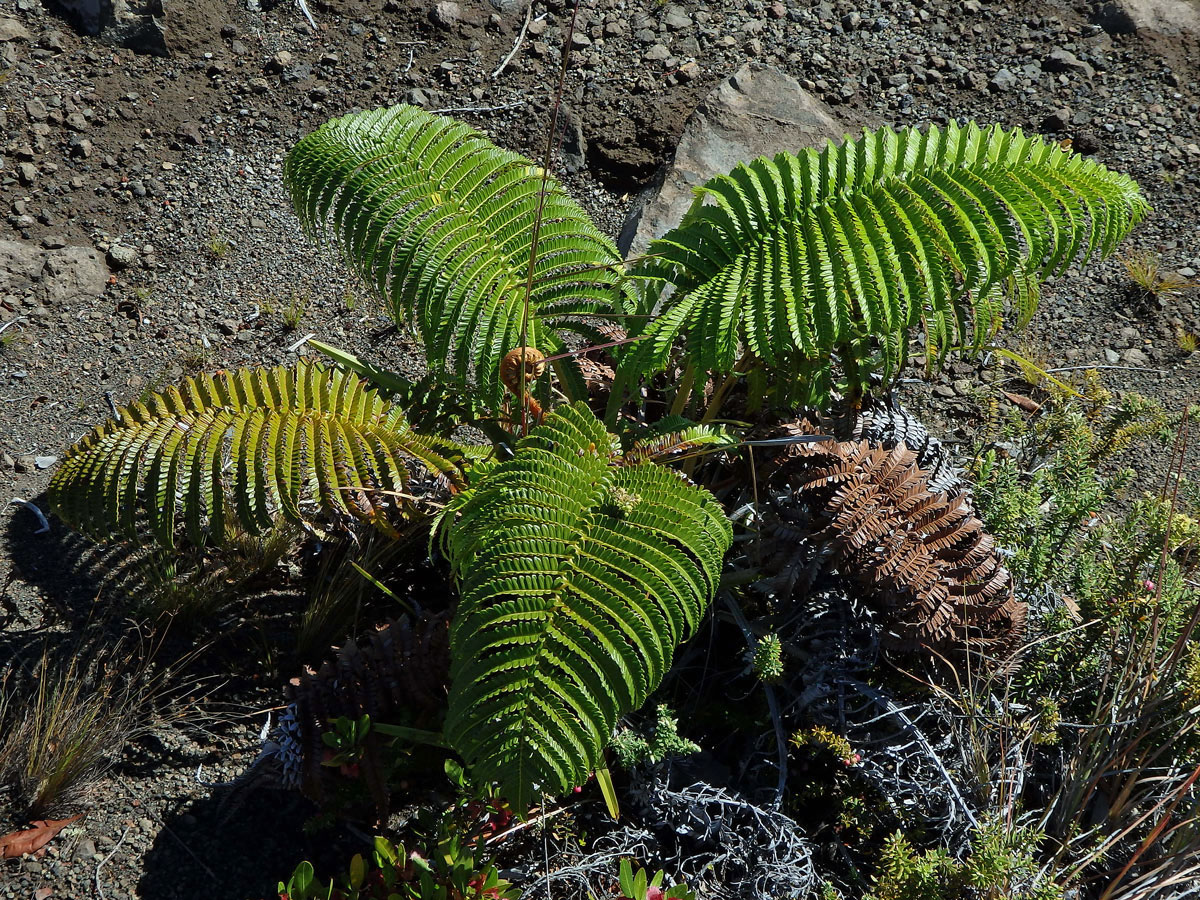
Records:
x=277, y=63
x=759, y=111
x=1065, y=61
x=121, y=257
x=574, y=144
x=51, y=277
x=452, y=14
x=1004, y=80
x=133, y=25
x=189, y=134
x=1059, y=120
x=36, y=109
x=12, y=30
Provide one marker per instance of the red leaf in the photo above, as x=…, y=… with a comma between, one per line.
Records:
x=33, y=839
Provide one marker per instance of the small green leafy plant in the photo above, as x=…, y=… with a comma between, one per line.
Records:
x=638, y=887
x=1001, y=866
x=398, y=874
x=659, y=741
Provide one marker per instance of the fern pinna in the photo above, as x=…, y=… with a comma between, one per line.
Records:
x=580, y=572
x=790, y=261
x=920, y=556
x=440, y=221
x=278, y=443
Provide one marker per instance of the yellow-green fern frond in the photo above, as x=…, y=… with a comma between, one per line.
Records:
x=258, y=444
x=842, y=251
x=580, y=573
x=440, y=221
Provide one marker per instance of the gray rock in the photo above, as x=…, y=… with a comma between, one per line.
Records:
x=80, y=148
x=451, y=14
x=1004, y=80
x=1171, y=17
x=278, y=62
x=189, y=133
x=36, y=109
x=574, y=144
x=120, y=257
x=759, y=111
x=677, y=19
x=510, y=7
x=422, y=97
x=12, y=30
x=1059, y=120
x=134, y=26
x=71, y=274
x=27, y=173
x=1061, y=60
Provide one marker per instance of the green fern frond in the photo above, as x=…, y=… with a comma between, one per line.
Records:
x=256, y=444
x=580, y=573
x=842, y=251
x=675, y=436
x=440, y=221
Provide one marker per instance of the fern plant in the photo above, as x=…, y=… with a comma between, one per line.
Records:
x=788, y=262
x=580, y=572
x=442, y=223
x=301, y=441
x=581, y=558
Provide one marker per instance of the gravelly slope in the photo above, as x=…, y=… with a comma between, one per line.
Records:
x=175, y=163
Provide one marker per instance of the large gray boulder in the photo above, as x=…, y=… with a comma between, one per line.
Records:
x=759, y=111
x=136, y=25
x=58, y=277
x=1168, y=17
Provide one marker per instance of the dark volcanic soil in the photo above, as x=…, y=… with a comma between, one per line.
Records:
x=164, y=172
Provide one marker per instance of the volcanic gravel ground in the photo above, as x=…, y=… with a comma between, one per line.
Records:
x=169, y=169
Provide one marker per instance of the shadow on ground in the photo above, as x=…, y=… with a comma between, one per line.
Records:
x=238, y=849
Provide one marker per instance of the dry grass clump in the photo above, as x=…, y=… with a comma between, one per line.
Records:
x=1145, y=271
x=64, y=722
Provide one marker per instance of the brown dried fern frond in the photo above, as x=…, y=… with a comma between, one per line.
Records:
x=921, y=557
x=398, y=674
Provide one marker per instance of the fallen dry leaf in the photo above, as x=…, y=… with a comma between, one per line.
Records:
x=42, y=893
x=33, y=839
x=1030, y=406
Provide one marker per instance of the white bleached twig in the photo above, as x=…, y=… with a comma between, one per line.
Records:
x=32, y=507
x=304, y=9
x=100, y=865
x=477, y=109
x=516, y=45
x=300, y=343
